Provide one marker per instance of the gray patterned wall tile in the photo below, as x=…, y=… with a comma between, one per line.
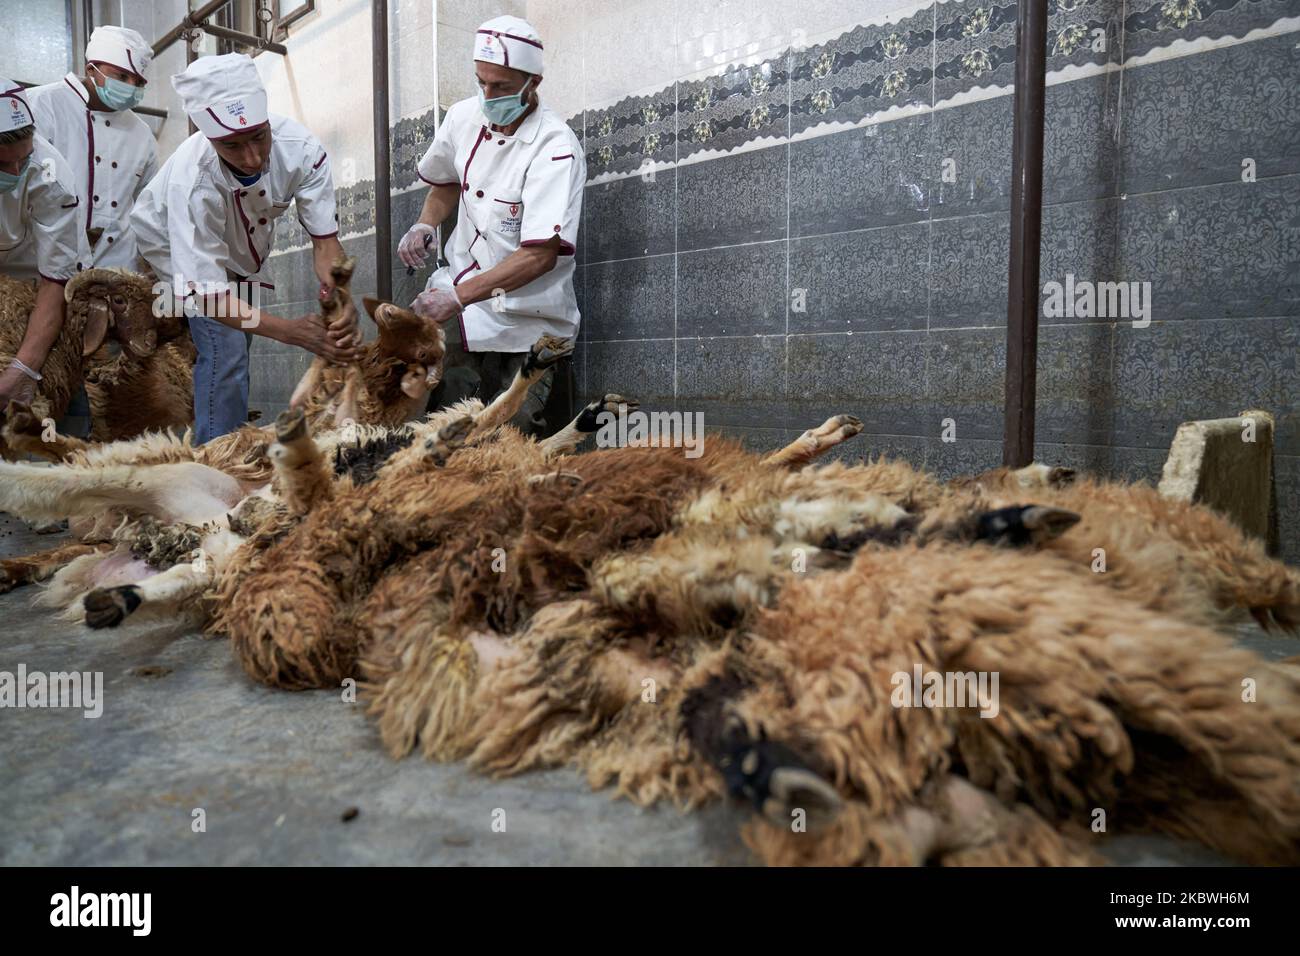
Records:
x=631, y=133
x=733, y=290
x=293, y=276
x=1080, y=240
x=874, y=280
x=1075, y=397
x=629, y=299
x=1152, y=24
x=630, y=217
x=861, y=178
x=640, y=369
x=758, y=440
x=1213, y=251
x=1174, y=372
x=975, y=45
x=863, y=72
x=1079, y=148
x=879, y=377
x=1286, y=478
x=961, y=458
x=968, y=271
x=736, y=199
x=908, y=448
x=740, y=105
x=737, y=381
x=1192, y=120
x=966, y=382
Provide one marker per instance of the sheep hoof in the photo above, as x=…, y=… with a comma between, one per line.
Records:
x=779, y=785
x=290, y=425
x=545, y=352
x=450, y=437
x=7, y=581
x=109, y=607
x=1059, y=477
x=587, y=420
x=49, y=527
x=1024, y=524
x=840, y=428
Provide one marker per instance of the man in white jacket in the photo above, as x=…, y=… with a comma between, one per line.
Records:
x=111, y=151
x=205, y=225
x=40, y=235
x=514, y=172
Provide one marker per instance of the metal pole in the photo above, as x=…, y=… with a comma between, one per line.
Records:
x=1026, y=231
x=383, y=212
x=188, y=22
x=236, y=37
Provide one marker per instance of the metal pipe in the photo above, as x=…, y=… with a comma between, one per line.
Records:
x=190, y=57
x=234, y=36
x=1026, y=231
x=383, y=210
x=188, y=22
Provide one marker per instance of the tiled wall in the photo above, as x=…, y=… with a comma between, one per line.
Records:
x=826, y=227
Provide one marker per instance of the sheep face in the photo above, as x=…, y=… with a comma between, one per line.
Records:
x=119, y=305
x=406, y=337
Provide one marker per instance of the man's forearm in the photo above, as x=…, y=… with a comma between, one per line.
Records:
x=439, y=203
x=230, y=310
x=43, y=326
x=326, y=252
x=515, y=271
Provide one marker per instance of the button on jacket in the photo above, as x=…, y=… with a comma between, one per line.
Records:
x=112, y=155
x=515, y=191
x=196, y=221
x=41, y=228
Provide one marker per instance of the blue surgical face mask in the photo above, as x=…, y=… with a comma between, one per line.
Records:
x=117, y=95
x=504, y=110
x=9, y=181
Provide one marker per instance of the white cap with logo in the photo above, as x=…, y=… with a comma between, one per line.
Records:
x=121, y=47
x=509, y=41
x=223, y=95
x=14, y=111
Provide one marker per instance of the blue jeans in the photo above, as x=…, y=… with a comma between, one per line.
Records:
x=220, y=378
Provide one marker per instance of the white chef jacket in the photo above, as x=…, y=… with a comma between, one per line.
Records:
x=112, y=155
x=195, y=221
x=515, y=191
x=41, y=228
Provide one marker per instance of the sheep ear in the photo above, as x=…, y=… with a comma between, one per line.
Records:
x=1047, y=522
x=97, y=319
x=372, y=305
x=413, y=382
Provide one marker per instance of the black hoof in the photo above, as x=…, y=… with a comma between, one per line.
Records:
x=778, y=784
x=1020, y=525
x=548, y=350
x=588, y=419
x=109, y=607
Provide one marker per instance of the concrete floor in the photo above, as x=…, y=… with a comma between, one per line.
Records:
x=275, y=773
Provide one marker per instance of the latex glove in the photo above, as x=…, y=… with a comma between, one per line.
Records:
x=15, y=387
x=437, y=304
x=412, y=249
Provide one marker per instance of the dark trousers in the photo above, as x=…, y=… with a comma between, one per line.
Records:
x=485, y=375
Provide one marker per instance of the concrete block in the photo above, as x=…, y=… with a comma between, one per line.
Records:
x=1227, y=463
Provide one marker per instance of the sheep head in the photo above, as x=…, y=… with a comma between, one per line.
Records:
x=408, y=338
x=119, y=302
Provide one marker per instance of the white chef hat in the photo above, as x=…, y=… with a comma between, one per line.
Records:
x=223, y=95
x=121, y=47
x=14, y=111
x=509, y=41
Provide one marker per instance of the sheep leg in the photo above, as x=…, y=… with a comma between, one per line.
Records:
x=453, y=435
x=814, y=443
x=568, y=438
x=305, y=479
x=185, y=492
x=308, y=383
x=545, y=352
x=1016, y=526
x=25, y=433
x=15, y=572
